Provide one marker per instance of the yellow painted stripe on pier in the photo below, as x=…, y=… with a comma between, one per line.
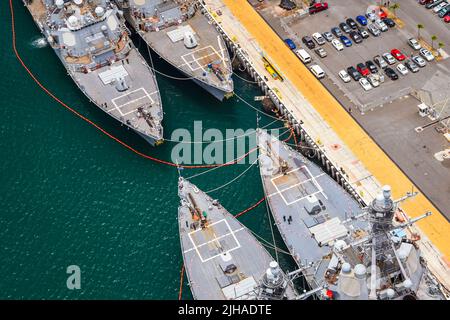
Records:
x=373, y=158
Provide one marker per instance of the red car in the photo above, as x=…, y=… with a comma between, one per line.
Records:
x=398, y=54
x=362, y=69
x=317, y=7
x=382, y=14
x=447, y=18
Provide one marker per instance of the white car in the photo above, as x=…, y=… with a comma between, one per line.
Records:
x=373, y=79
x=344, y=76
x=381, y=25
x=365, y=84
x=426, y=54
x=318, y=38
x=371, y=16
x=337, y=44
x=389, y=58
x=413, y=43
x=402, y=69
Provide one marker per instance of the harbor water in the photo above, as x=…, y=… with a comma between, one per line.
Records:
x=72, y=196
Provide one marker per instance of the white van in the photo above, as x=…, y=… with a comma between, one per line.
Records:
x=303, y=55
x=318, y=72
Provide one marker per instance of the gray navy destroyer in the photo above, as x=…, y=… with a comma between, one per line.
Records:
x=222, y=259
x=179, y=33
x=92, y=42
x=354, y=253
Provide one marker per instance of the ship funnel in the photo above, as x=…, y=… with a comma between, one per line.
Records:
x=99, y=11
x=189, y=40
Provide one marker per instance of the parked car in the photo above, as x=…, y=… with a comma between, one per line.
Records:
x=337, y=44
x=346, y=41
x=336, y=31
x=388, y=57
x=362, y=20
x=382, y=14
x=389, y=22
x=321, y=52
x=440, y=6
x=374, y=30
x=444, y=11
x=402, y=69
x=433, y=4
x=290, y=43
x=374, y=80
x=447, y=18
x=398, y=54
x=308, y=41
x=371, y=66
x=317, y=71
x=344, y=76
x=391, y=73
x=380, y=62
x=365, y=84
x=318, y=38
x=381, y=25
x=413, y=43
x=426, y=54
x=361, y=67
x=327, y=36
x=419, y=61
x=412, y=66
x=353, y=73
x=363, y=33
x=355, y=37
x=351, y=23
x=371, y=16
x=423, y=2
x=317, y=7
x=344, y=27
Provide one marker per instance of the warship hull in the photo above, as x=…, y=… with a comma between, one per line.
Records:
x=206, y=62
x=289, y=192
x=88, y=83
x=222, y=259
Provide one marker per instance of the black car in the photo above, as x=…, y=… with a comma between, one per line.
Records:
x=308, y=41
x=344, y=27
x=351, y=23
x=354, y=73
x=389, y=22
x=371, y=66
x=337, y=32
x=391, y=73
x=355, y=37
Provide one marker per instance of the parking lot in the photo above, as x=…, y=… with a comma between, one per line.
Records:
x=295, y=27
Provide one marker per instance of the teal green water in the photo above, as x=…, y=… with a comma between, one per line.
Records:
x=70, y=195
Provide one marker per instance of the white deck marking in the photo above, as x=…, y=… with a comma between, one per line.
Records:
x=145, y=95
x=231, y=232
x=193, y=59
x=313, y=179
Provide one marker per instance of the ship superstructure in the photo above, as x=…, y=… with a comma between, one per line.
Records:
x=92, y=42
x=179, y=33
x=351, y=251
x=222, y=259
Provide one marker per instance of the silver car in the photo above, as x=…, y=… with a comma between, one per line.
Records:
x=419, y=61
x=373, y=30
x=389, y=58
x=381, y=25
